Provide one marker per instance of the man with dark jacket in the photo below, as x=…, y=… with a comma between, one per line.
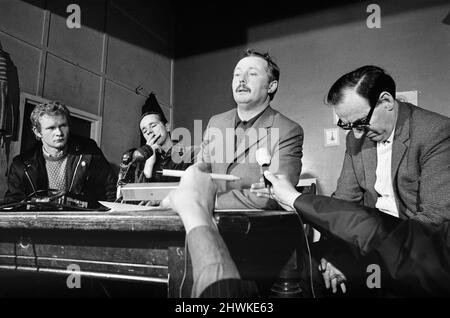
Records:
x=167, y=153
x=412, y=257
x=60, y=162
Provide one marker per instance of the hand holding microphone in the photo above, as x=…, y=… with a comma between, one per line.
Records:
x=263, y=158
x=130, y=157
x=277, y=187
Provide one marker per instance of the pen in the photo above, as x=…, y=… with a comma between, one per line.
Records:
x=217, y=176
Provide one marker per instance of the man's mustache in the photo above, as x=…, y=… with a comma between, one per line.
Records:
x=242, y=86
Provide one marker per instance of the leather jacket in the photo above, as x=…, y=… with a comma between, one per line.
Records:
x=88, y=175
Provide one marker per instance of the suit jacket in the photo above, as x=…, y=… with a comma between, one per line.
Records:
x=281, y=136
x=420, y=166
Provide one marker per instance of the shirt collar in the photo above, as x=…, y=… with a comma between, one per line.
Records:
x=390, y=139
x=249, y=122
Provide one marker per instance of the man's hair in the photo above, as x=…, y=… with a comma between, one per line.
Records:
x=52, y=108
x=161, y=117
x=273, y=71
x=369, y=81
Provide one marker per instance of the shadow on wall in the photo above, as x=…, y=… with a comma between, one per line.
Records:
x=155, y=17
x=200, y=26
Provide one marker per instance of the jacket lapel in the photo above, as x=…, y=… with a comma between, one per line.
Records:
x=227, y=122
x=401, y=137
x=399, y=147
x=369, y=159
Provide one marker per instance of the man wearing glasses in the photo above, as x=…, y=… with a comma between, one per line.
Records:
x=397, y=160
x=398, y=155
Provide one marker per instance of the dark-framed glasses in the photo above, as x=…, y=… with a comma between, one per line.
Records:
x=360, y=124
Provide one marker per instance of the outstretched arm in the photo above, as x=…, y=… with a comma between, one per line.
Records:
x=212, y=264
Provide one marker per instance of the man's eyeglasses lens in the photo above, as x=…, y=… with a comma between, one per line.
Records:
x=360, y=124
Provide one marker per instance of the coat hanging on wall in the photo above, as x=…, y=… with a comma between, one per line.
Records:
x=8, y=116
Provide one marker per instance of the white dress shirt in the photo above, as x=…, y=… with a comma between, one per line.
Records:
x=383, y=185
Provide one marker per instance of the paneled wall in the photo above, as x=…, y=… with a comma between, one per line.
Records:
x=120, y=45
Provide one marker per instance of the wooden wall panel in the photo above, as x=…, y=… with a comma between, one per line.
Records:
x=122, y=111
x=22, y=20
x=82, y=46
x=134, y=65
x=26, y=59
x=72, y=85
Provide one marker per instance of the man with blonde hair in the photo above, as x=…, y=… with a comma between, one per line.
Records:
x=61, y=161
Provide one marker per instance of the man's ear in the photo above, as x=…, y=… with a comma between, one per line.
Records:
x=387, y=100
x=37, y=133
x=167, y=125
x=273, y=87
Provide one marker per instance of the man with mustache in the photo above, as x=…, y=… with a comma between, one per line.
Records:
x=60, y=161
x=232, y=138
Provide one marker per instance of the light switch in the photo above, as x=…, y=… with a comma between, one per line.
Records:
x=331, y=137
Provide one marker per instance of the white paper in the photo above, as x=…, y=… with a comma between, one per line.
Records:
x=117, y=207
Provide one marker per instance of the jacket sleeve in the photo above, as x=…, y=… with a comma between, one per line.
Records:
x=434, y=181
x=104, y=180
x=347, y=185
x=416, y=256
x=211, y=260
x=286, y=159
x=16, y=183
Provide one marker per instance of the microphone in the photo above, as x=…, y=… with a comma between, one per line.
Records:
x=125, y=164
x=142, y=153
x=263, y=159
x=127, y=158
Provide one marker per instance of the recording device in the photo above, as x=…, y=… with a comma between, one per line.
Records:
x=263, y=159
x=60, y=198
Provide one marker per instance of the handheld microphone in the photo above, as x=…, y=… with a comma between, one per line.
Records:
x=142, y=153
x=263, y=159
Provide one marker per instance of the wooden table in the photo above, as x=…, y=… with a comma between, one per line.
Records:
x=142, y=246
